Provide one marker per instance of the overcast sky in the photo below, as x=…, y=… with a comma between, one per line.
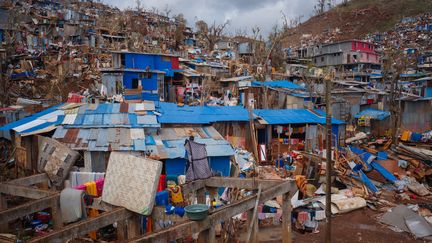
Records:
x=241, y=13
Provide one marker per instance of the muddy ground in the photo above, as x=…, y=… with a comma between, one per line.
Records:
x=358, y=226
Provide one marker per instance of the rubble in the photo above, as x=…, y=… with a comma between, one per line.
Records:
x=106, y=105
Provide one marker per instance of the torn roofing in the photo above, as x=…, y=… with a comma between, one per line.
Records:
x=73, y=115
x=37, y=121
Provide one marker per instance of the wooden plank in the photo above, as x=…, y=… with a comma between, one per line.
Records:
x=23, y=191
x=27, y=208
x=246, y=183
x=83, y=227
x=212, y=234
x=286, y=218
x=30, y=180
x=190, y=227
x=192, y=187
x=133, y=226
x=56, y=214
x=201, y=197
x=254, y=217
x=4, y=227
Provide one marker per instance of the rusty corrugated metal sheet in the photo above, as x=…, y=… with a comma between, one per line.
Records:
x=124, y=107
x=71, y=135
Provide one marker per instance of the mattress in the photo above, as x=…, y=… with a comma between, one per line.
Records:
x=131, y=182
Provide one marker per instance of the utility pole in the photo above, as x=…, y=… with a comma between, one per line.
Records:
x=328, y=81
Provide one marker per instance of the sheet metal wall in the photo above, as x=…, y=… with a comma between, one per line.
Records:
x=417, y=115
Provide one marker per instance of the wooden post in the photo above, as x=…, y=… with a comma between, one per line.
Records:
x=328, y=160
x=286, y=219
x=121, y=230
x=200, y=195
x=4, y=227
x=212, y=233
x=133, y=226
x=254, y=220
x=278, y=154
x=56, y=214
x=252, y=127
x=289, y=137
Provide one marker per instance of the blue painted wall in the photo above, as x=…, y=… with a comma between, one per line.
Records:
x=155, y=62
x=139, y=61
x=221, y=164
x=148, y=84
x=217, y=164
x=428, y=92
x=175, y=166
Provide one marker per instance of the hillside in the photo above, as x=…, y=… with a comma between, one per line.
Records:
x=356, y=19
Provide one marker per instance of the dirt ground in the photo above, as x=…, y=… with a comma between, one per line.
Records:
x=358, y=226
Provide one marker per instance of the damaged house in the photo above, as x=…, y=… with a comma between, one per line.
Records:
x=140, y=76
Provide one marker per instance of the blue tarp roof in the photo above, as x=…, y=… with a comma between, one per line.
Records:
x=277, y=84
x=171, y=113
x=373, y=114
x=294, y=116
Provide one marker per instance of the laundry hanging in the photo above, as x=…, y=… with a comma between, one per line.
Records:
x=197, y=166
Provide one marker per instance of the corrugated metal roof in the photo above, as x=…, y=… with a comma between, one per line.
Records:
x=39, y=122
x=373, y=114
x=169, y=144
x=69, y=119
x=291, y=116
x=137, y=133
x=171, y=113
x=109, y=115
x=147, y=119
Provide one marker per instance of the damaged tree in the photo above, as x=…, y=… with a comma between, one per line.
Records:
x=395, y=63
x=212, y=34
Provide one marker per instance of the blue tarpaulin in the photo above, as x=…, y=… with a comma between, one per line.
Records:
x=373, y=114
x=293, y=116
x=278, y=84
x=369, y=160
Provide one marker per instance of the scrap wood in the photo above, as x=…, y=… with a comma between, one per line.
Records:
x=254, y=216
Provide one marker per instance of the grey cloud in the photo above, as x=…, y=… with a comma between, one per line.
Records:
x=243, y=14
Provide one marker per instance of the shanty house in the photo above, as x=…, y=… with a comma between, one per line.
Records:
x=277, y=94
x=294, y=129
x=354, y=58
x=140, y=76
x=96, y=130
x=373, y=121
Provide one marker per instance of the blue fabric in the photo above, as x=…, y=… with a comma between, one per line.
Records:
x=416, y=137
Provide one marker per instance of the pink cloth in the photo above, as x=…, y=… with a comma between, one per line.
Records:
x=303, y=216
x=99, y=186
